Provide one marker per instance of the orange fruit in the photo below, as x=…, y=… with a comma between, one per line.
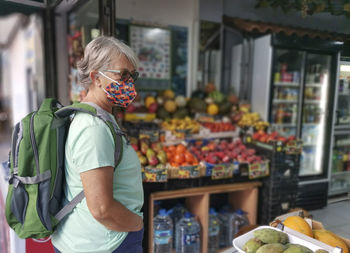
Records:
x=180, y=149
x=179, y=158
x=171, y=148
x=189, y=157
x=299, y=224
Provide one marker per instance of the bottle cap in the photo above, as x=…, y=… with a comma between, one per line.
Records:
x=240, y=212
x=188, y=215
x=162, y=212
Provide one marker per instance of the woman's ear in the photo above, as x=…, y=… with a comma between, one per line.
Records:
x=95, y=78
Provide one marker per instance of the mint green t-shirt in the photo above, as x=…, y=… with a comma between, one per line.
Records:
x=90, y=145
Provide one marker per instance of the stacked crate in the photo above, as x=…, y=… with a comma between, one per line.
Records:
x=278, y=193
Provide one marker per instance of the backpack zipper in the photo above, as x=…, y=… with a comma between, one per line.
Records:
x=34, y=147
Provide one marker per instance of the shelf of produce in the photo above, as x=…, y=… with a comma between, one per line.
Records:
x=241, y=195
x=284, y=101
x=286, y=84
x=220, y=135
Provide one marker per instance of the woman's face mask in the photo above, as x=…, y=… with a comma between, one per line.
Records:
x=120, y=93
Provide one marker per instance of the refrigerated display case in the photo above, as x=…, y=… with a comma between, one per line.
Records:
x=340, y=164
x=293, y=88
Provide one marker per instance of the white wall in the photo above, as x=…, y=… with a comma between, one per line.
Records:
x=17, y=72
x=168, y=12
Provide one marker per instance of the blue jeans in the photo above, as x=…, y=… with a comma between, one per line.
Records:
x=131, y=244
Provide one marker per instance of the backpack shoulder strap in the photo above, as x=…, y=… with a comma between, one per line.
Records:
x=96, y=111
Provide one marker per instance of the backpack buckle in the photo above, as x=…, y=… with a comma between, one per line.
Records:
x=14, y=180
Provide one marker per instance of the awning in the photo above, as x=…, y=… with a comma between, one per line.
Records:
x=250, y=26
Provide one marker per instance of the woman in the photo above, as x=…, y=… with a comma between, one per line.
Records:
x=109, y=218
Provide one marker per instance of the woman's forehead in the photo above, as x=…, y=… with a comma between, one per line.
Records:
x=121, y=62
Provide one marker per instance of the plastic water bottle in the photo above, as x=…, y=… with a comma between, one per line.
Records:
x=225, y=237
x=162, y=232
x=240, y=220
x=177, y=214
x=188, y=235
x=157, y=206
x=213, y=231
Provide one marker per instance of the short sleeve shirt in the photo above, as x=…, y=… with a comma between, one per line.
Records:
x=90, y=145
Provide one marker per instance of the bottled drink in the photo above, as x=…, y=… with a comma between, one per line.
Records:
x=240, y=220
x=188, y=235
x=162, y=232
x=177, y=213
x=227, y=228
x=213, y=231
x=294, y=114
x=157, y=207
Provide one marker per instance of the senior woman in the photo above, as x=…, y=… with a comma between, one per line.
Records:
x=108, y=219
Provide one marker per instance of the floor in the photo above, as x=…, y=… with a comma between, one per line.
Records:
x=335, y=217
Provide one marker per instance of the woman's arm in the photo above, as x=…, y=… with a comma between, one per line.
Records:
x=98, y=189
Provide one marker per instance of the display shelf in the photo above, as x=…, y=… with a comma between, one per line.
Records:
x=310, y=124
x=342, y=145
x=312, y=101
x=341, y=173
x=284, y=125
x=284, y=101
x=309, y=144
x=286, y=84
x=337, y=191
x=241, y=195
x=313, y=85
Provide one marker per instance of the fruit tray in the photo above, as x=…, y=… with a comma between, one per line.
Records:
x=294, y=237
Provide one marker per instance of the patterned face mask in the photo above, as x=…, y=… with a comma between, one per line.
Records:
x=121, y=93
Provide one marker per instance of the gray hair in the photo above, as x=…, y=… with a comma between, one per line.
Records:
x=98, y=55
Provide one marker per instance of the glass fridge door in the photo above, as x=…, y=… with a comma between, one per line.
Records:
x=340, y=177
x=315, y=102
x=343, y=104
x=286, y=88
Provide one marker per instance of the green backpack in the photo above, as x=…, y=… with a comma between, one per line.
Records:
x=36, y=162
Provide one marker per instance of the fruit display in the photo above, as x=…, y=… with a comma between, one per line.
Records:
x=215, y=127
x=330, y=238
x=179, y=155
x=299, y=224
x=149, y=153
x=264, y=137
x=268, y=240
x=216, y=152
x=181, y=125
x=249, y=119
